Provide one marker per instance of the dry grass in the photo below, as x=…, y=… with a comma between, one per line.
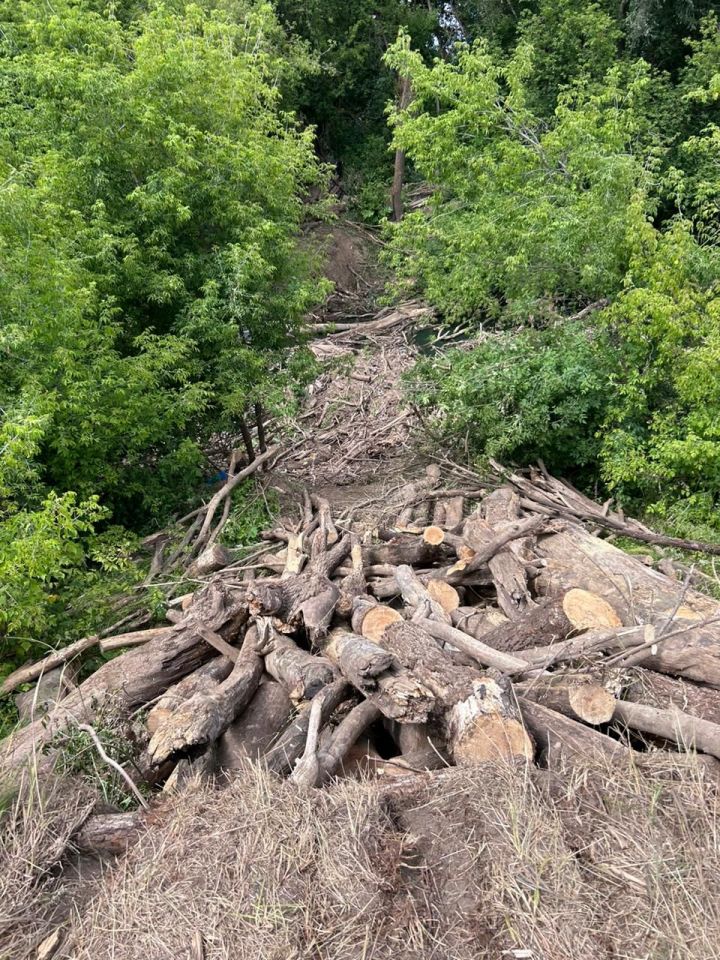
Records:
x=478, y=863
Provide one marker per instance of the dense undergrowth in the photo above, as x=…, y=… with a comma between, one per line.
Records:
x=156, y=163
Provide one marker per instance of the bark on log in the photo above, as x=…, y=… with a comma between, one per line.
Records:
x=564, y=739
x=258, y=727
x=421, y=748
x=410, y=550
x=658, y=690
x=689, y=733
x=110, y=834
x=553, y=621
x=444, y=594
x=478, y=714
x=415, y=594
x=353, y=584
x=203, y=717
x=135, y=639
x=302, y=674
x=140, y=675
x=370, y=619
x=486, y=656
x=344, y=737
x=393, y=690
x=55, y=659
x=572, y=695
x=203, y=680
x=210, y=560
x=477, y=622
x=291, y=743
x=577, y=559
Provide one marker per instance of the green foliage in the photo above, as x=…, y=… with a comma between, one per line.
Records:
x=252, y=510
x=520, y=397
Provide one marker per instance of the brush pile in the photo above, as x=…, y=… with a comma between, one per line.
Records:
x=480, y=625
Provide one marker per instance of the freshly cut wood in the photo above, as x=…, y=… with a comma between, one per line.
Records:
x=638, y=593
x=370, y=619
x=416, y=595
x=110, y=834
x=134, y=639
x=433, y=535
x=140, y=674
x=477, y=712
x=205, y=715
x=289, y=747
x=563, y=739
x=572, y=695
x=479, y=651
x=257, y=728
x=55, y=659
x=202, y=680
x=444, y=594
x=689, y=733
x=301, y=673
x=553, y=621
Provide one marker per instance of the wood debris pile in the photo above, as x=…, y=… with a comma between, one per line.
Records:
x=482, y=624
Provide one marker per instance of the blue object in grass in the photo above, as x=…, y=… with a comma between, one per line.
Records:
x=220, y=477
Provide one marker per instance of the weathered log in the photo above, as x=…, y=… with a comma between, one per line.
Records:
x=689, y=733
x=421, y=748
x=135, y=639
x=326, y=518
x=359, y=659
x=202, y=680
x=562, y=739
x=201, y=766
x=306, y=771
x=111, y=834
x=415, y=492
x=205, y=715
x=553, y=621
x=210, y=560
x=353, y=584
x=291, y=743
x=49, y=690
x=345, y=735
x=258, y=727
x=55, y=659
x=393, y=690
x=664, y=692
x=415, y=594
x=572, y=695
x=449, y=512
x=301, y=673
x=477, y=712
x=139, y=675
x=477, y=622
x=370, y=619
x=404, y=549
x=479, y=651
x=689, y=647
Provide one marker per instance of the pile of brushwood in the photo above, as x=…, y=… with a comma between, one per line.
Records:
x=481, y=624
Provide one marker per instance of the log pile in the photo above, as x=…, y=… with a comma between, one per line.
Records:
x=477, y=626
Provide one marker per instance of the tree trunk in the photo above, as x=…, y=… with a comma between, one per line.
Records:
x=302, y=674
x=573, y=695
x=563, y=739
x=638, y=593
x=203, y=680
x=687, y=732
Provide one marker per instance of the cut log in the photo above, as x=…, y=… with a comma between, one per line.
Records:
x=302, y=674
x=479, y=651
x=404, y=549
x=110, y=834
x=478, y=715
x=205, y=715
x=55, y=659
x=689, y=733
x=258, y=727
x=416, y=595
x=658, y=690
x=554, y=621
x=449, y=513
x=393, y=690
x=140, y=675
x=563, y=739
x=444, y=594
x=346, y=734
x=370, y=619
x=359, y=659
x=434, y=536
x=477, y=622
x=572, y=695
x=291, y=743
x=202, y=680
x=210, y=560
x=638, y=593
